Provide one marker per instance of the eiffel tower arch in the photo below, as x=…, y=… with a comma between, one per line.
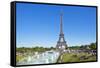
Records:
x=61, y=44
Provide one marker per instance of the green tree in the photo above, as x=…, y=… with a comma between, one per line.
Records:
x=93, y=46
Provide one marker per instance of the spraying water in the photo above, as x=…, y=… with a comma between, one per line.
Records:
x=40, y=58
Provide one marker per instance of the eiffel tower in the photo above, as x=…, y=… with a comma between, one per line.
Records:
x=61, y=44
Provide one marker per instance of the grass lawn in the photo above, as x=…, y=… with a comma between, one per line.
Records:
x=72, y=57
x=18, y=58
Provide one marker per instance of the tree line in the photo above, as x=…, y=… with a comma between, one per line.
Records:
x=91, y=46
x=33, y=49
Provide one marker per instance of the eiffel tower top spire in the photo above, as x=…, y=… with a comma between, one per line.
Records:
x=61, y=24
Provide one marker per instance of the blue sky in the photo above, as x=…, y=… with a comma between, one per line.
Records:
x=39, y=25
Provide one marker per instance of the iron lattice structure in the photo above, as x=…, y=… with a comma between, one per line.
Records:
x=61, y=44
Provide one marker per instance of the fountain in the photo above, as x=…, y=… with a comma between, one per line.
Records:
x=43, y=58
